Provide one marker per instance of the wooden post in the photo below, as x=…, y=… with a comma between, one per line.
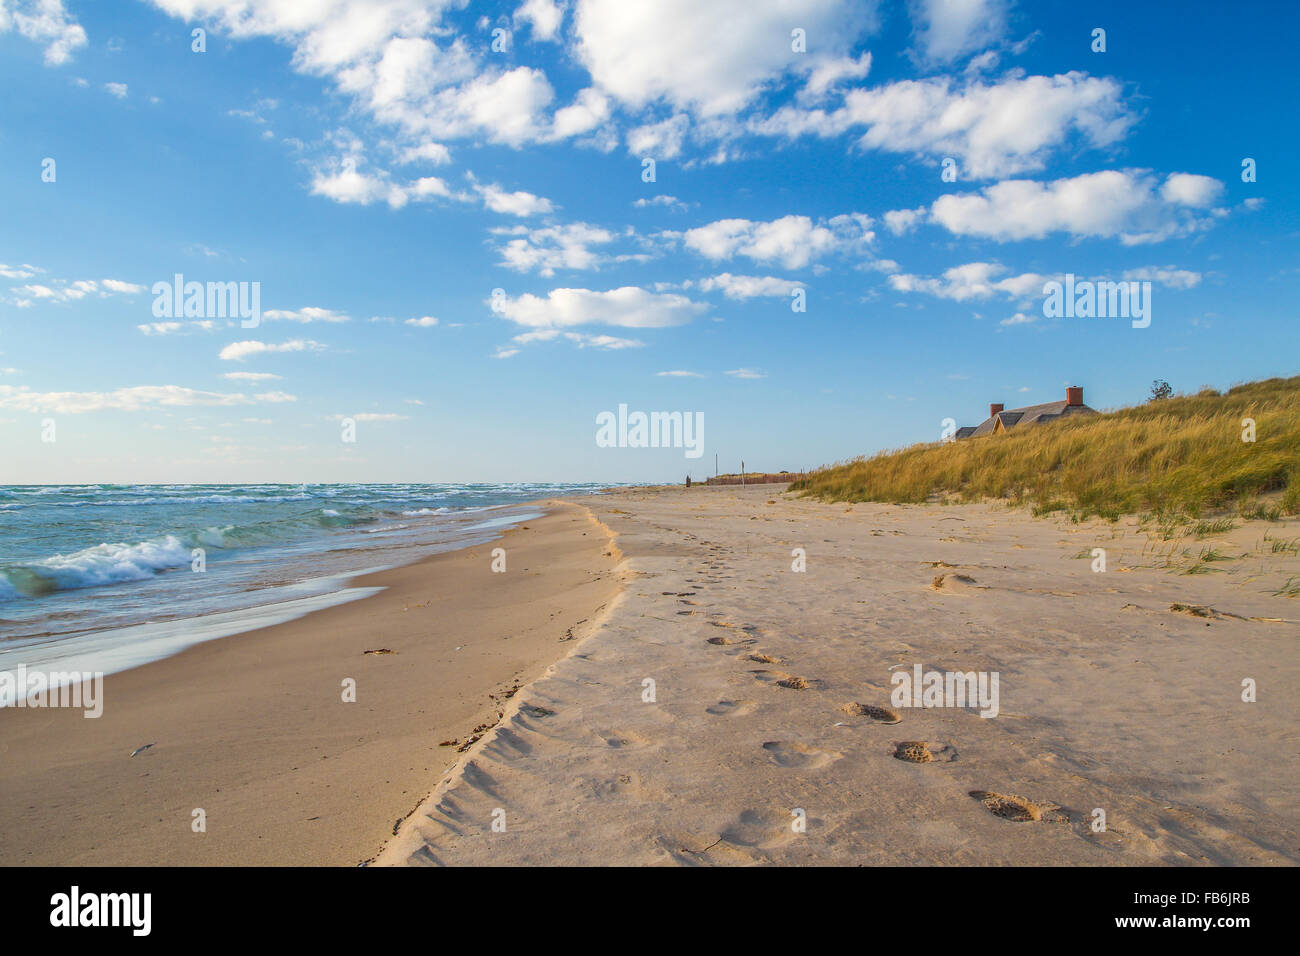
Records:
x=742, y=473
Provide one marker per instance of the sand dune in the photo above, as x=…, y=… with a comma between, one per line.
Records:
x=730, y=711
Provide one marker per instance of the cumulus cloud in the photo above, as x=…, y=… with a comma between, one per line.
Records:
x=985, y=280
x=627, y=307
x=517, y=203
x=711, y=59
x=552, y=247
x=386, y=54
x=992, y=130
x=947, y=30
x=792, y=241
x=423, y=322
x=345, y=179
x=748, y=287
x=662, y=140
x=542, y=16
x=47, y=22
x=1131, y=205
x=66, y=290
x=974, y=280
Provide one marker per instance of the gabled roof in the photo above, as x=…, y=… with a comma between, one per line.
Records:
x=1029, y=415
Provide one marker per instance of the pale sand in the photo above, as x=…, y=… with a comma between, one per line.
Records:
x=253, y=730
x=1109, y=699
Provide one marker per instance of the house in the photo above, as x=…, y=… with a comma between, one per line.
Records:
x=1001, y=419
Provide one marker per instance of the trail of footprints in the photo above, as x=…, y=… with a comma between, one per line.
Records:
x=801, y=756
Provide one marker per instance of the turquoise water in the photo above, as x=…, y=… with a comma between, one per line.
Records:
x=78, y=560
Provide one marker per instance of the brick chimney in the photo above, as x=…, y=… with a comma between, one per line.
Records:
x=995, y=408
x=1074, y=395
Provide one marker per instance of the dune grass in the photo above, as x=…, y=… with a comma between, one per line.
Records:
x=1177, y=456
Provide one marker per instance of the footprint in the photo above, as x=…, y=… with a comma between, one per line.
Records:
x=722, y=641
x=760, y=830
x=882, y=714
x=622, y=739
x=800, y=756
x=766, y=659
x=1011, y=807
x=732, y=708
x=923, y=751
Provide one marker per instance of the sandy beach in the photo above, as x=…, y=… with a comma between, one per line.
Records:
x=252, y=729
x=651, y=682
x=1120, y=691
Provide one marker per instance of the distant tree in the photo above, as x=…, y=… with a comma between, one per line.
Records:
x=1160, y=389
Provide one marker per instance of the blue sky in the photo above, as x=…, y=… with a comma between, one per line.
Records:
x=379, y=169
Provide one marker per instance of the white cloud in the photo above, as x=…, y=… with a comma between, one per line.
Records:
x=69, y=290
x=44, y=21
x=672, y=202
x=132, y=399
x=607, y=342
x=552, y=247
x=24, y=271
x=990, y=129
x=518, y=203
x=627, y=307
x=900, y=221
x=423, y=322
x=116, y=89
x=1129, y=204
x=793, y=241
x=829, y=73
x=160, y=328
x=1020, y=318
x=679, y=373
x=543, y=16
x=374, y=417
x=238, y=351
x=746, y=373
x=974, y=280
x=250, y=376
x=984, y=280
x=117, y=285
x=947, y=30
x=1191, y=190
x=429, y=152
x=589, y=109
x=662, y=140
x=747, y=287
x=709, y=58
x=304, y=315
x=1169, y=276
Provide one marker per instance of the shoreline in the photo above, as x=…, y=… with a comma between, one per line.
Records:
x=251, y=728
